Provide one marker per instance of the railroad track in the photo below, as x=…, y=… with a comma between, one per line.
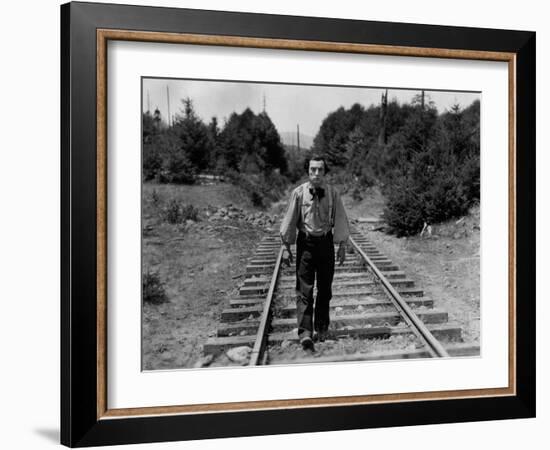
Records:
x=376, y=313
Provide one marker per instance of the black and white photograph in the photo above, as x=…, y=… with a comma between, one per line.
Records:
x=275, y=225
x=292, y=224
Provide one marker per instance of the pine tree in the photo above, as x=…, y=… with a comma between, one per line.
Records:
x=193, y=137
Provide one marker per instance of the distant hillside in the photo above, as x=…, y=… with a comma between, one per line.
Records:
x=289, y=138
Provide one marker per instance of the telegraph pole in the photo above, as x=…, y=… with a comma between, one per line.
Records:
x=298, y=135
x=168, y=98
x=382, y=136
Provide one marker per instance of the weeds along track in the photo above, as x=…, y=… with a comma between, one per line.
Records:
x=376, y=313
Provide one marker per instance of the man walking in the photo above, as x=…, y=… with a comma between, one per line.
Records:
x=317, y=216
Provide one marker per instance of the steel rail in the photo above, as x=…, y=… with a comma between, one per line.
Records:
x=257, y=356
x=434, y=346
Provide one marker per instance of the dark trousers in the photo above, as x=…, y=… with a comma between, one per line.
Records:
x=314, y=259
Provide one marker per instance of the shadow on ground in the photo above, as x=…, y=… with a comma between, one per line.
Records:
x=50, y=434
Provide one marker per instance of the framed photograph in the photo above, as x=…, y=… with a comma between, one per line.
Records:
x=278, y=224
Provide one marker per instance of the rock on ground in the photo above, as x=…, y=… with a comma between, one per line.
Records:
x=239, y=354
x=204, y=361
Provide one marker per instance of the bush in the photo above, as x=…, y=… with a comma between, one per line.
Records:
x=356, y=194
x=153, y=289
x=178, y=169
x=257, y=199
x=189, y=212
x=152, y=162
x=404, y=209
x=470, y=177
x=175, y=212
x=445, y=199
x=261, y=189
x=424, y=195
x=155, y=198
x=172, y=212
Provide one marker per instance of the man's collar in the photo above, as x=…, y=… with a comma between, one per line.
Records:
x=310, y=185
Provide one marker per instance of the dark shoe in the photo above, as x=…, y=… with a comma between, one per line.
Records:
x=307, y=344
x=322, y=335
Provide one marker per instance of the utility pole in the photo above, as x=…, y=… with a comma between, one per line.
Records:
x=264, y=104
x=422, y=100
x=148, y=103
x=298, y=135
x=168, y=98
x=382, y=138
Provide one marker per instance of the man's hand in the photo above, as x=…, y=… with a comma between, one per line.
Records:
x=341, y=255
x=287, y=257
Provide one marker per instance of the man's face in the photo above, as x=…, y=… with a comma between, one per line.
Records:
x=316, y=173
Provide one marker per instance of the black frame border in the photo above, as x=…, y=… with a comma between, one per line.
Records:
x=79, y=423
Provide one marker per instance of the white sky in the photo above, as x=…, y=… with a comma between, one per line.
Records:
x=286, y=104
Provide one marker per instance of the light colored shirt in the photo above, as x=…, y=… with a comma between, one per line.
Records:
x=309, y=214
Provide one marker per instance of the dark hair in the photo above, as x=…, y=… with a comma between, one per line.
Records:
x=316, y=158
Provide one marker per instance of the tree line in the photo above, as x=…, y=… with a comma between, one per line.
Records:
x=426, y=162
x=176, y=153
x=246, y=150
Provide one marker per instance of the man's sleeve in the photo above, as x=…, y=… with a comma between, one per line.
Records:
x=290, y=221
x=341, y=224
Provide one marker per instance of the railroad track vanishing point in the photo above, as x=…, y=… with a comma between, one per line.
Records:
x=376, y=313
